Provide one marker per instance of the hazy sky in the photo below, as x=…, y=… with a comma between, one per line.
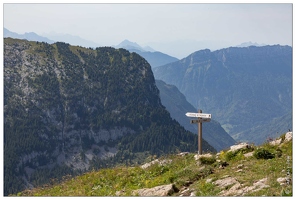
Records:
x=175, y=29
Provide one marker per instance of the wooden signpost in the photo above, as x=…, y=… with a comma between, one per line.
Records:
x=201, y=117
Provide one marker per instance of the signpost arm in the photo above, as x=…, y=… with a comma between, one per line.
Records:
x=199, y=135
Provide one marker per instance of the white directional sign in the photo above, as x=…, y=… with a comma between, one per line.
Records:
x=201, y=115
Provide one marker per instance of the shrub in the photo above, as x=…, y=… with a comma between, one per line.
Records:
x=262, y=153
x=207, y=160
x=237, y=155
x=229, y=155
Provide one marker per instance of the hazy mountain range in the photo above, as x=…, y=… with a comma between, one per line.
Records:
x=51, y=38
x=243, y=87
x=155, y=58
x=27, y=36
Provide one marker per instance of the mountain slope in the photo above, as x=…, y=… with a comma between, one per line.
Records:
x=241, y=87
x=230, y=173
x=273, y=129
x=176, y=103
x=66, y=108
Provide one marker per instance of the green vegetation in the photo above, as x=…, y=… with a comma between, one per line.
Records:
x=183, y=172
x=235, y=155
x=106, y=182
x=256, y=168
x=262, y=153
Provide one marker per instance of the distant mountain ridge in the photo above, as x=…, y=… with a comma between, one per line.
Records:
x=51, y=38
x=154, y=58
x=28, y=36
x=242, y=87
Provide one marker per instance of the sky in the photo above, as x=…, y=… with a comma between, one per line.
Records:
x=177, y=29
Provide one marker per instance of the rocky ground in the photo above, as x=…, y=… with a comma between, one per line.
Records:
x=228, y=184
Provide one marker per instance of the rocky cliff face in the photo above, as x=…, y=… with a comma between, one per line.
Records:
x=242, y=87
x=49, y=86
x=66, y=106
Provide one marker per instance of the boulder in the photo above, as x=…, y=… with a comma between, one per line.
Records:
x=197, y=156
x=120, y=193
x=288, y=136
x=240, y=166
x=185, y=192
x=276, y=142
x=146, y=165
x=163, y=190
x=237, y=189
x=284, y=180
x=249, y=154
x=240, y=146
x=209, y=180
x=183, y=154
x=223, y=183
x=160, y=162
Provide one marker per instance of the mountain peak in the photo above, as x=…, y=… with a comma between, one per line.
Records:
x=247, y=44
x=127, y=44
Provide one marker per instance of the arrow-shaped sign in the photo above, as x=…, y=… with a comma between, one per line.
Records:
x=201, y=115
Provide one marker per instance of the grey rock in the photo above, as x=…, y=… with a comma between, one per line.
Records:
x=223, y=183
x=163, y=190
x=197, y=156
x=276, y=142
x=249, y=154
x=288, y=136
x=238, y=147
x=240, y=166
x=160, y=162
x=183, y=154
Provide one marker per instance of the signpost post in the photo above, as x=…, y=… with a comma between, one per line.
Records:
x=199, y=134
x=201, y=117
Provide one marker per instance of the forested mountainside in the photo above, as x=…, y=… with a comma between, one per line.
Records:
x=244, y=88
x=176, y=103
x=66, y=108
